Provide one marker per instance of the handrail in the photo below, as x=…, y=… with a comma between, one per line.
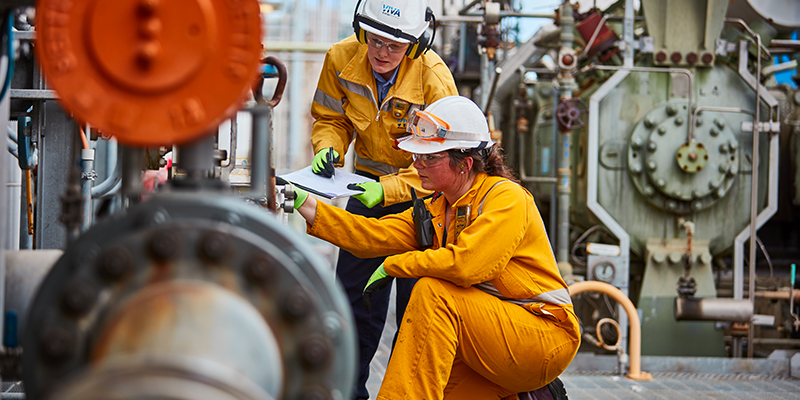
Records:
x=635, y=343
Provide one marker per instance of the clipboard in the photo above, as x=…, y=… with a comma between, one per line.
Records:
x=328, y=188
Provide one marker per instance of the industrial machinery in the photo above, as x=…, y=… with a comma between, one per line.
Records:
x=195, y=291
x=660, y=147
x=652, y=139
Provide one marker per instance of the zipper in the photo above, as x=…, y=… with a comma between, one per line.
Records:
x=384, y=102
x=374, y=101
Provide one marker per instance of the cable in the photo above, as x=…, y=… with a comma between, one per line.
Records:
x=578, y=241
x=8, y=32
x=764, y=251
x=84, y=141
x=766, y=256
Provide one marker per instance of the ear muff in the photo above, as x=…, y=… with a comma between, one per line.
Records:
x=420, y=47
x=361, y=35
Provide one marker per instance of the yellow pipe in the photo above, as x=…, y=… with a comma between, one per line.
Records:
x=635, y=345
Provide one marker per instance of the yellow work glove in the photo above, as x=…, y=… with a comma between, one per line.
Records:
x=373, y=193
x=300, y=197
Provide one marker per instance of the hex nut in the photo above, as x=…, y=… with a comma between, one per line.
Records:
x=259, y=269
x=115, y=263
x=296, y=305
x=315, y=353
x=78, y=297
x=57, y=345
x=164, y=245
x=214, y=246
x=672, y=109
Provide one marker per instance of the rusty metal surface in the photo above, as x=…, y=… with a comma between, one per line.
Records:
x=197, y=238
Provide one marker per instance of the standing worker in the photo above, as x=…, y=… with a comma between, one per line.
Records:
x=490, y=315
x=369, y=84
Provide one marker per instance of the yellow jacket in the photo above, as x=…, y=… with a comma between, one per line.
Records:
x=345, y=104
x=506, y=245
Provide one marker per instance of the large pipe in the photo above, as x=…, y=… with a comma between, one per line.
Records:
x=711, y=309
x=567, y=84
x=635, y=344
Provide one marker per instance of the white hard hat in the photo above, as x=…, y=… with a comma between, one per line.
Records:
x=403, y=21
x=452, y=122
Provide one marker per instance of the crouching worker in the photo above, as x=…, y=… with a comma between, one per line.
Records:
x=490, y=316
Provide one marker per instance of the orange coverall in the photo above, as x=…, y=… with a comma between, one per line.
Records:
x=457, y=340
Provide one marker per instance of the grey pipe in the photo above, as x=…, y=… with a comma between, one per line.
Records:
x=754, y=195
x=627, y=35
x=196, y=157
x=564, y=171
x=12, y=148
x=132, y=165
x=87, y=178
x=260, y=154
x=114, y=175
x=711, y=309
x=227, y=168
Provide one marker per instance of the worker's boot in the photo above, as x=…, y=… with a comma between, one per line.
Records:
x=552, y=391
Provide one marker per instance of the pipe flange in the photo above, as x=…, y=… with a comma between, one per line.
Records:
x=675, y=175
x=199, y=240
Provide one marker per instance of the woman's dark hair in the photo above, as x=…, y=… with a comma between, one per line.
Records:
x=491, y=161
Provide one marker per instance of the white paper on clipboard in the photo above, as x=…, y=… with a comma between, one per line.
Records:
x=326, y=187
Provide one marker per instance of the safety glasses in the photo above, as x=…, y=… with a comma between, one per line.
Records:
x=392, y=47
x=426, y=126
x=429, y=160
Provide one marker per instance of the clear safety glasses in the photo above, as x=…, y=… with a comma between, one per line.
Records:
x=426, y=126
x=429, y=160
x=392, y=47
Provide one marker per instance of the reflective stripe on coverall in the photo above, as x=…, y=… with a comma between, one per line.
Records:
x=496, y=348
x=345, y=102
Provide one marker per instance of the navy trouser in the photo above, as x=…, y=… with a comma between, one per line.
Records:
x=353, y=273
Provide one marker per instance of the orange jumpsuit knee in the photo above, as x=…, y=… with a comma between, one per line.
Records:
x=462, y=343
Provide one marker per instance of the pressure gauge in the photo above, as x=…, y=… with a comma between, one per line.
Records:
x=604, y=271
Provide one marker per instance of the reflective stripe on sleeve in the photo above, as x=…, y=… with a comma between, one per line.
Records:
x=357, y=89
x=328, y=102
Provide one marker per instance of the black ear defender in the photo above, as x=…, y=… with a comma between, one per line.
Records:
x=418, y=45
x=361, y=35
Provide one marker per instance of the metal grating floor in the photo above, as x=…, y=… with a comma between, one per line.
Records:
x=671, y=386
x=594, y=385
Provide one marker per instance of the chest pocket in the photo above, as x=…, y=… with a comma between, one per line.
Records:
x=355, y=111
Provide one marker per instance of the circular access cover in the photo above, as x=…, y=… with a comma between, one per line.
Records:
x=150, y=72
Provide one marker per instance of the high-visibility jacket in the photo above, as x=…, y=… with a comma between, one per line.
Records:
x=505, y=246
x=345, y=106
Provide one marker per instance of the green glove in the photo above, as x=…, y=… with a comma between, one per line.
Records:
x=324, y=161
x=300, y=197
x=373, y=193
x=379, y=280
